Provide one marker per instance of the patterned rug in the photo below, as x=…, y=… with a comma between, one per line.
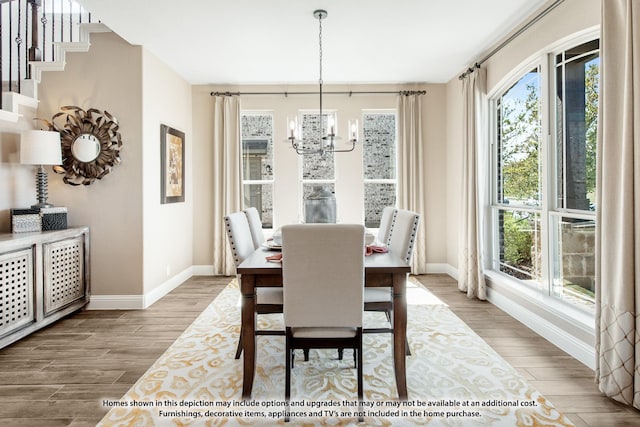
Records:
x=453, y=378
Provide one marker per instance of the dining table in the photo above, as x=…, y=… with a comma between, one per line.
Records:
x=381, y=270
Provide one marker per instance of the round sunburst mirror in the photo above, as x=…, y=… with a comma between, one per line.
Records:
x=90, y=141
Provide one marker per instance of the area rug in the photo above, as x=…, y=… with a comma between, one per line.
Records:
x=453, y=378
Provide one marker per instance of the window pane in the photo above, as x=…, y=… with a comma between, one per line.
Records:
x=519, y=142
x=316, y=166
x=260, y=196
x=577, y=87
x=574, y=261
x=257, y=146
x=379, y=147
x=519, y=253
x=376, y=197
x=257, y=164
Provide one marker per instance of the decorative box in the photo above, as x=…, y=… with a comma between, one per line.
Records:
x=54, y=218
x=25, y=220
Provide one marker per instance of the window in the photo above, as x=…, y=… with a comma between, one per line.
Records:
x=544, y=188
x=379, y=164
x=316, y=169
x=257, y=164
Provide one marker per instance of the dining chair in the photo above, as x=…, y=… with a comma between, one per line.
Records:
x=323, y=282
x=402, y=237
x=255, y=225
x=386, y=219
x=268, y=300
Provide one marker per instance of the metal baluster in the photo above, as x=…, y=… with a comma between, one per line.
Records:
x=43, y=19
x=1, y=73
x=26, y=39
x=18, y=41
x=10, y=45
x=62, y=21
x=70, y=20
x=53, y=30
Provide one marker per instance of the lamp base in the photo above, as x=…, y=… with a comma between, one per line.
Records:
x=41, y=206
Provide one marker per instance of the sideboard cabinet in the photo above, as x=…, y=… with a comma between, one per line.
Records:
x=43, y=276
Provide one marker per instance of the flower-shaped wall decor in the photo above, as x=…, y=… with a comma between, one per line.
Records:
x=90, y=141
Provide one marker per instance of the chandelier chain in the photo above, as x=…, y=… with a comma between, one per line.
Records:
x=320, y=46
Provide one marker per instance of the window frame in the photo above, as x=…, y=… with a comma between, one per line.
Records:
x=271, y=181
x=393, y=181
x=549, y=208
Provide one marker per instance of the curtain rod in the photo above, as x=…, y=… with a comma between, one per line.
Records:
x=512, y=37
x=350, y=92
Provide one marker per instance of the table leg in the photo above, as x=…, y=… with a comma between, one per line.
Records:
x=400, y=332
x=247, y=287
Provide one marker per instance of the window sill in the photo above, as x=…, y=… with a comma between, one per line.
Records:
x=557, y=307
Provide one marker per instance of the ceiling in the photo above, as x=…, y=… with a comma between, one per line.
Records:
x=276, y=42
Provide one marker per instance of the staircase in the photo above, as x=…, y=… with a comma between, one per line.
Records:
x=36, y=35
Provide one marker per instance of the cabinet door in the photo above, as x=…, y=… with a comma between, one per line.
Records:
x=16, y=290
x=64, y=280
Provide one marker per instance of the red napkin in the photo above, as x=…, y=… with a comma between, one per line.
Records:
x=371, y=249
x=274, y=258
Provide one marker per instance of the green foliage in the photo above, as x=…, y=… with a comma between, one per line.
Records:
x=518, y=240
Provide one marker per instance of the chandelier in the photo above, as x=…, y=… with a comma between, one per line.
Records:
x=327, y=140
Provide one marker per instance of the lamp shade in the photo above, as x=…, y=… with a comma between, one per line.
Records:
x=40, y=147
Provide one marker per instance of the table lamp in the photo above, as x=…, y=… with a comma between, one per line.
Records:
x=40, y=147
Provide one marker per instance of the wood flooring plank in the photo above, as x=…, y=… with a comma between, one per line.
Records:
x=43, y=383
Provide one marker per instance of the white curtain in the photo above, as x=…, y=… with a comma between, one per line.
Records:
x=618, y=204
x=470, y=272
x=227, y=177
x=412, y=180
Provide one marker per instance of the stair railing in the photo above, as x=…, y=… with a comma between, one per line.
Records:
x=29, y=30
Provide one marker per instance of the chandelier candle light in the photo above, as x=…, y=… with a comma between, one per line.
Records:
x=327, y=140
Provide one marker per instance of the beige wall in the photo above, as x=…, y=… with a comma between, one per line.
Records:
x=168, y=230
x=107, y=77
x=137, y=243
x=349, y=190
x=569, y=18
x=17, y=182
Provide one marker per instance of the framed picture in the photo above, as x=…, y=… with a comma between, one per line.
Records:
x=172, y=165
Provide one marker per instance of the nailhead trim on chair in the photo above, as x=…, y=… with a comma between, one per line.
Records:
x=232, y=244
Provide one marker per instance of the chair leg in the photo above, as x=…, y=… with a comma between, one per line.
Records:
x=239, y=349
x=287, y=380
x=359, y=370
x=340, y=353
x=306, y=354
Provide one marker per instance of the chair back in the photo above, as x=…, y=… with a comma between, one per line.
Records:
x=402, y=235
x=239, y=236
x=323, y=275
x=385, y=224
x=255, y=225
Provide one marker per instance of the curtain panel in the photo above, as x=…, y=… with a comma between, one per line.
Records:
x=412, y=181
x=227, y=177
x=618, y=204
x=470, y=271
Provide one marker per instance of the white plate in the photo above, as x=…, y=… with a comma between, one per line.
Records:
x=269, y=244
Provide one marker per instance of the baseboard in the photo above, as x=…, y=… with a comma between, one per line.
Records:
x=443, y=268
x=116, y=302
x=139, y=302
x=578, y=349
x=160, y=291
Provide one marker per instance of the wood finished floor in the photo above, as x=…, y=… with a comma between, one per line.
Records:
x=59, y=375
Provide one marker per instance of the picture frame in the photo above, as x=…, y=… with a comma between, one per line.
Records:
x=171, y=165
